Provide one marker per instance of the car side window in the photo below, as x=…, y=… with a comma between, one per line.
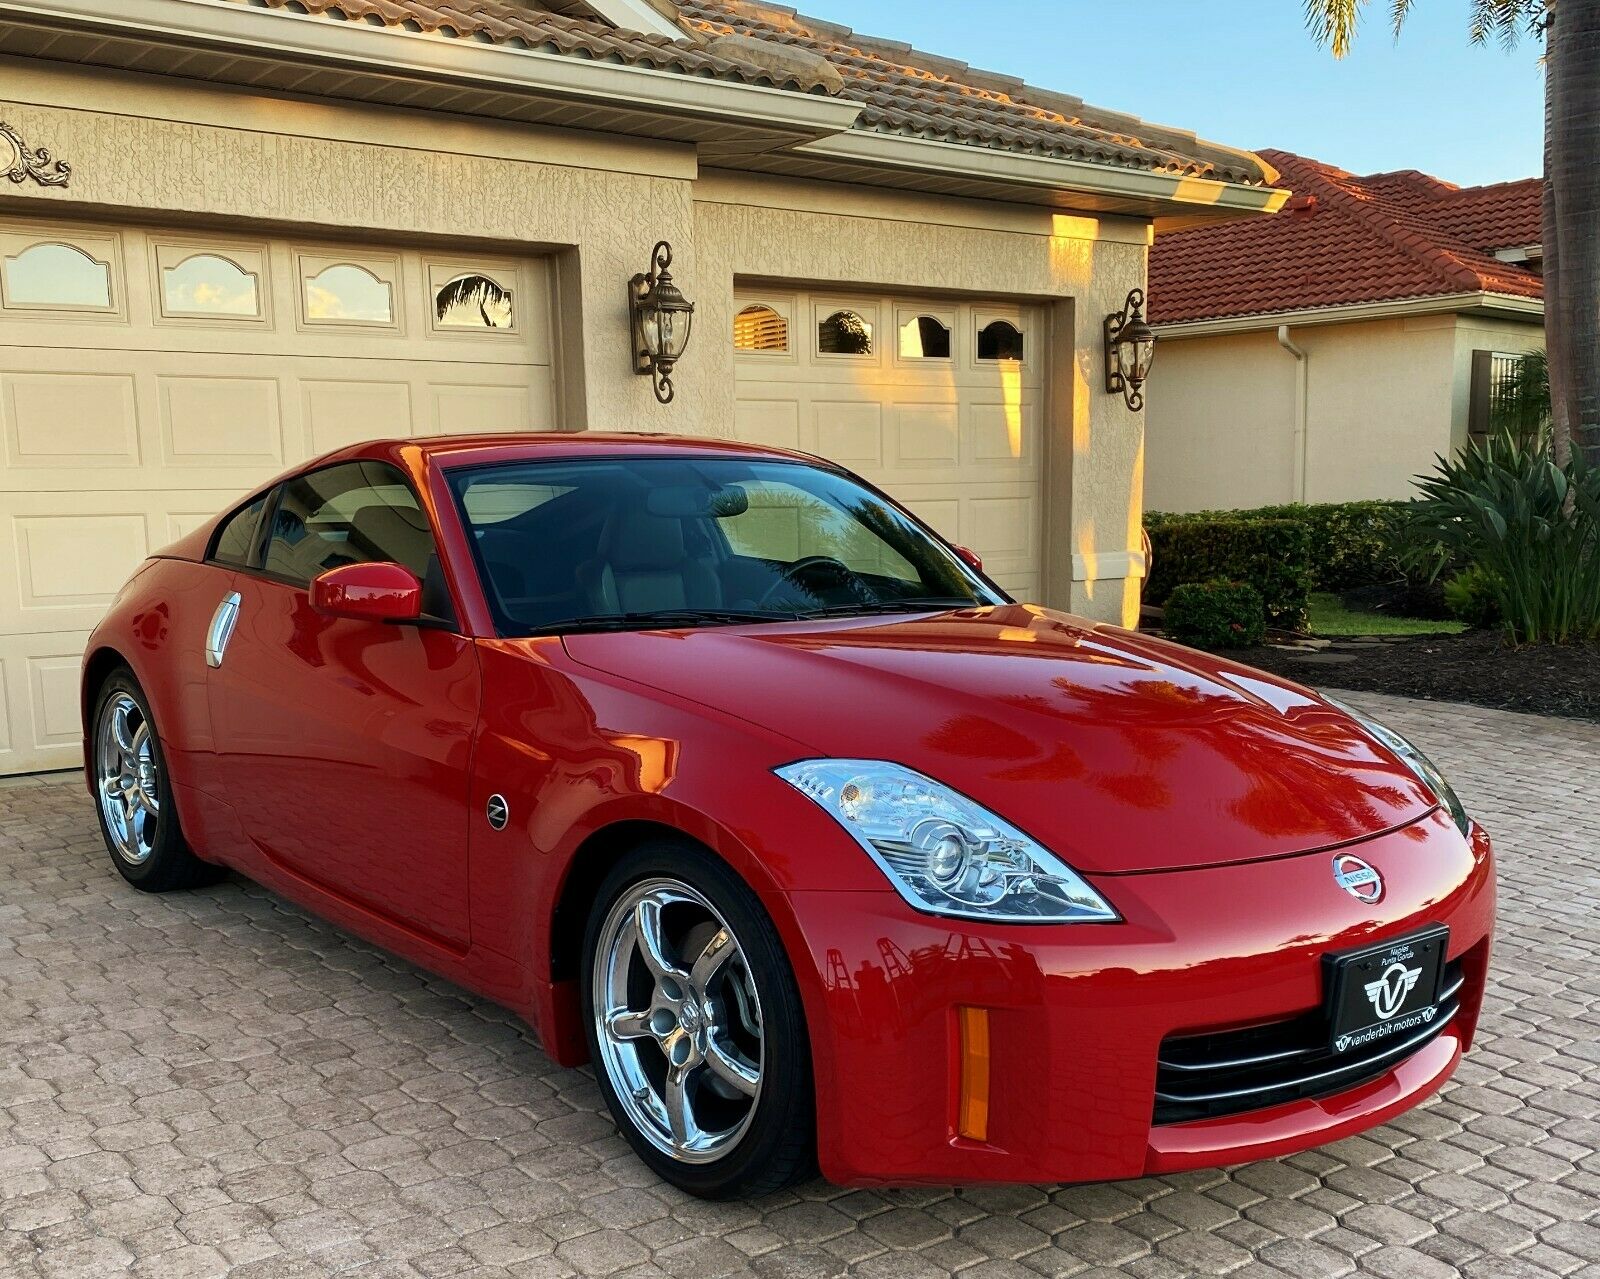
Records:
x=235, y=542
x=353, y=513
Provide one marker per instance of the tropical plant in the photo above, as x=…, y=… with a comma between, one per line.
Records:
x=1471, y=597
x=1529, y=525
x=1571, y=243
x=1522, y=402
x=1215, y=615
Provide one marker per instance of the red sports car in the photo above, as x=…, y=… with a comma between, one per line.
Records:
x=733, y=778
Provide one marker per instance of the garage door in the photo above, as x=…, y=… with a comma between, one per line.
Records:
x=148, y=378
x=938, y=403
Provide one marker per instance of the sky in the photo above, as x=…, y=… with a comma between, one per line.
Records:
x=1246, y=73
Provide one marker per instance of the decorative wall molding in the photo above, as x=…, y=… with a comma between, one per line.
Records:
x=19, y=162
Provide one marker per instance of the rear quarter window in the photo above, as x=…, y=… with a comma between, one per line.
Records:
x=235, y=541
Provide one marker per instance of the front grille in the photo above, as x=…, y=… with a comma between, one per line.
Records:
x=1232, y=1071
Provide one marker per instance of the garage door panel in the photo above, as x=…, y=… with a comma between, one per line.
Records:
x=340, y=412
x=848, y=432
x=957, y=439
x=774, y=422
x=1007, y=434
x=925, y=435
x=61, y=420
x=127, y=425
x=39, y=726
x=215, y=421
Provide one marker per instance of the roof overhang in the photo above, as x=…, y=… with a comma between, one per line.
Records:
x=282, y=51
x=1500, y=305
x=734, y=125
x=951, y=168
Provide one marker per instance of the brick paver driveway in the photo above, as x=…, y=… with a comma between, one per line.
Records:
x=215, y=1083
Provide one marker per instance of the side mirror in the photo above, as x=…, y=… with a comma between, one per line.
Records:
x=970, y=558
x=377, y=592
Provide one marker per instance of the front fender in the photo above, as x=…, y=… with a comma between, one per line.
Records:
x=576, y=755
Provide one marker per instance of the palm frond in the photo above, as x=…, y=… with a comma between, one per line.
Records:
x=1333, y=23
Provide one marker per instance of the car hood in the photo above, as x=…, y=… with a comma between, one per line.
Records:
x=1118, y=751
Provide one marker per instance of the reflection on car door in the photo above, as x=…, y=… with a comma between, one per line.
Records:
x=344, y=745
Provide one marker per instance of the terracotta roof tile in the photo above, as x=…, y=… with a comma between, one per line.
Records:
x=524, y=26
x=1345, y=240
x=903, y=91
x=923, y=95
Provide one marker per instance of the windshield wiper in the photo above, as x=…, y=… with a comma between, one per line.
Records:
x=867, y=608
x=659, y=618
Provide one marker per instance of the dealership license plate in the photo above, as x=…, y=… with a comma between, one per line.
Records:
x=1385, y=993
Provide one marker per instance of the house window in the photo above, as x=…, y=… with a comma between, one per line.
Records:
x=473, y=301
x=1000, y=340
x=845, y=333
x=760, y=328
x=212, y=286
x=58, y=277
x=924, y=337
x=336, y=292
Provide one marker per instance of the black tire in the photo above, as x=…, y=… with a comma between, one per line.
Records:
x=778, y=1148
x=170, y=863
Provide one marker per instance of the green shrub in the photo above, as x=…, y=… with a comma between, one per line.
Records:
x=1273, y=556
x=1216, y=614
x=1471, y=597
x=1531, y=526
x=1353, y=544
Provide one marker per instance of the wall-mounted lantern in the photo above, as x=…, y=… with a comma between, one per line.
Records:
x=1130, y=350
x=661, y=318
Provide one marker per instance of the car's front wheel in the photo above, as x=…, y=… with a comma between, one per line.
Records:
x=695, y=1025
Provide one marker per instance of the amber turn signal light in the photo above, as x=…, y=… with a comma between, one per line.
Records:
x=972, y=1110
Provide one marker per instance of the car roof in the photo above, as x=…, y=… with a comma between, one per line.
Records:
x=449, y=451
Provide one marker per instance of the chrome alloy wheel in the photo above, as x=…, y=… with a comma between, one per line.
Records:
x=127, y=778
x=678, y=1020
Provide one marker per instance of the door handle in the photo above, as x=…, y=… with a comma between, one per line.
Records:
x=221, y=629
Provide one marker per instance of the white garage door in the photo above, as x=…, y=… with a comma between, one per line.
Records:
x=938, y=403
x=147, y=378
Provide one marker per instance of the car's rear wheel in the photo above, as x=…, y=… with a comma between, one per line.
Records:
x=695, y=1025
x=134, y=794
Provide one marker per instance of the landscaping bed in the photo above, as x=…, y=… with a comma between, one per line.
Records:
x=1475, y=667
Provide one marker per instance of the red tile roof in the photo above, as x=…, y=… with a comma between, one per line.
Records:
x=1345, y=240
x=903, y=91
x=917, y=94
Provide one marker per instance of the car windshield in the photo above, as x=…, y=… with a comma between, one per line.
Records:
x=639, y=542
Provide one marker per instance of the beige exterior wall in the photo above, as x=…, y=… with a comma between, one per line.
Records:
x=1382, y=399
x=171, y=153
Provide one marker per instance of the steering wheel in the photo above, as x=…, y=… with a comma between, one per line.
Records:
x=841, y=573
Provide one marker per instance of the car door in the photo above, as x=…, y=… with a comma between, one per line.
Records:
x=344, y=745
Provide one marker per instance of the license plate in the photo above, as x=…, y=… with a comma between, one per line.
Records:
x=1385, y=992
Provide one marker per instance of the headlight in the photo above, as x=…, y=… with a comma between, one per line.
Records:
x=942, y=852
x=1424, y=768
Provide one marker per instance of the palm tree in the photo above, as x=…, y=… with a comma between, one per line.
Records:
x=1571, y=31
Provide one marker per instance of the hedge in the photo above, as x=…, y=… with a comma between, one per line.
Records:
x=1353, y=544
x=1215, y=615
x=1274, y=556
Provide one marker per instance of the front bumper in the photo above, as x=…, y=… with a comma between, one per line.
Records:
x=1077, y=1013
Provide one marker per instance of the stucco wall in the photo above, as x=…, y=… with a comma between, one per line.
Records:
x=1383, y=398
x=164, y=150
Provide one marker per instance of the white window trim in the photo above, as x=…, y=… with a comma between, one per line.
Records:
x=784, y=309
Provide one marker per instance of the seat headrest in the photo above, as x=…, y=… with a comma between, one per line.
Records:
x=641, y=541
x=395, y=532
